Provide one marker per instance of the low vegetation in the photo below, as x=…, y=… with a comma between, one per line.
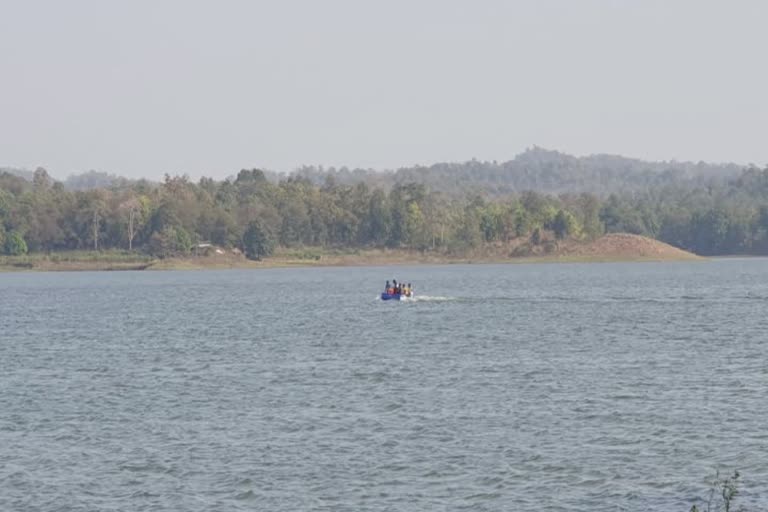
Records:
x=722, y=495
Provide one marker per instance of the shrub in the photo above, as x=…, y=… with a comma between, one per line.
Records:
x=15, y=245
x=171, y=241
x=726, y=490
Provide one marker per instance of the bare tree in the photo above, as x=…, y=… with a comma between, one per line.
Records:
x=95, y=227
x=132, y=207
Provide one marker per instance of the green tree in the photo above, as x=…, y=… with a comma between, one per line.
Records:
x=41, y=180
x=492, y=222
x=675, y=228
x=521, y=220
x=295, y=228
x=183, y=241
x=415, y=228
x=14, y=244
x=257, y=242
x=536, y=236
x=378, y=220
x=468, y=235
x=709, y=231
x=619, y=217
x=564, y=224
x=589, y=207
x=171, y=241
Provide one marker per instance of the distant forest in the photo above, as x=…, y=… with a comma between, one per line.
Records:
x=540, y=195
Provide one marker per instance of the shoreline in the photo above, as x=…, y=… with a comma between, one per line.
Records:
x=94, y=264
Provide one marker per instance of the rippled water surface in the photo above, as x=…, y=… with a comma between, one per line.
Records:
x=509, y=387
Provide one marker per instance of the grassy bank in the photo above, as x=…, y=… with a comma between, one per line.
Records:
x=77, y=260
x=121, y=260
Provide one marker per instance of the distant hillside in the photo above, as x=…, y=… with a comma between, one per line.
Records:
x=85, y=181
x=94, y=179
x=540, y=170
x=536, y=169
x=21, y=173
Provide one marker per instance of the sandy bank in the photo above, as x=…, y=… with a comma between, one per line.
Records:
x=612, y=247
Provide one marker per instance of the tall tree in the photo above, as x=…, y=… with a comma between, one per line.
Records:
x=257, y=242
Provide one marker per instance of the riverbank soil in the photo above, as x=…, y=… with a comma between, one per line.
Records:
x=612, y=247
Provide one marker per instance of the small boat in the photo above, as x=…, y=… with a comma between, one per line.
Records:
x=397, y=292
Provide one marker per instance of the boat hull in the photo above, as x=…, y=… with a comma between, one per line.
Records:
x=395, y=296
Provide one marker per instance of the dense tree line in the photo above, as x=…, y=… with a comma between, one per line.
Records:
x=255, y=214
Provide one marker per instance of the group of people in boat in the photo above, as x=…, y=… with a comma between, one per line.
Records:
x=398, y=288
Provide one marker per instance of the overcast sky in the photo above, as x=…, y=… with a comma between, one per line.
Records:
x=141, y=88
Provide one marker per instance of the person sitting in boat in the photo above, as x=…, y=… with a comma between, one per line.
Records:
x=410, y=290
x=387, y=287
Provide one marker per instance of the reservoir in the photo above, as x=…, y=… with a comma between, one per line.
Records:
x=574, y=387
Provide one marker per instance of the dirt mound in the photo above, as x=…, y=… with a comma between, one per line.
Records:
x=626, y=246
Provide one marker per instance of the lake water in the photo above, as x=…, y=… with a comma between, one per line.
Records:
x=502, y=387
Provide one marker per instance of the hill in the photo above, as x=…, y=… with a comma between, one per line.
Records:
x=21, y=173
x=536, y=169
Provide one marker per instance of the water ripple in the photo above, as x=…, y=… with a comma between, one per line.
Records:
x=569, y=387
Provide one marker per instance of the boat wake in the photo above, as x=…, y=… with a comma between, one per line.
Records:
x=423, y=298
x=430, y=298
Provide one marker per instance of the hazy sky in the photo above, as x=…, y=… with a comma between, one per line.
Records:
x=141, y=88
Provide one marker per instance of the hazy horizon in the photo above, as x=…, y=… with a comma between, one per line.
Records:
x=144, y=89
x=233, y=172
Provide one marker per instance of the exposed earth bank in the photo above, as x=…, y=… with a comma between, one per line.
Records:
x=612, y=247
x=623, y=246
